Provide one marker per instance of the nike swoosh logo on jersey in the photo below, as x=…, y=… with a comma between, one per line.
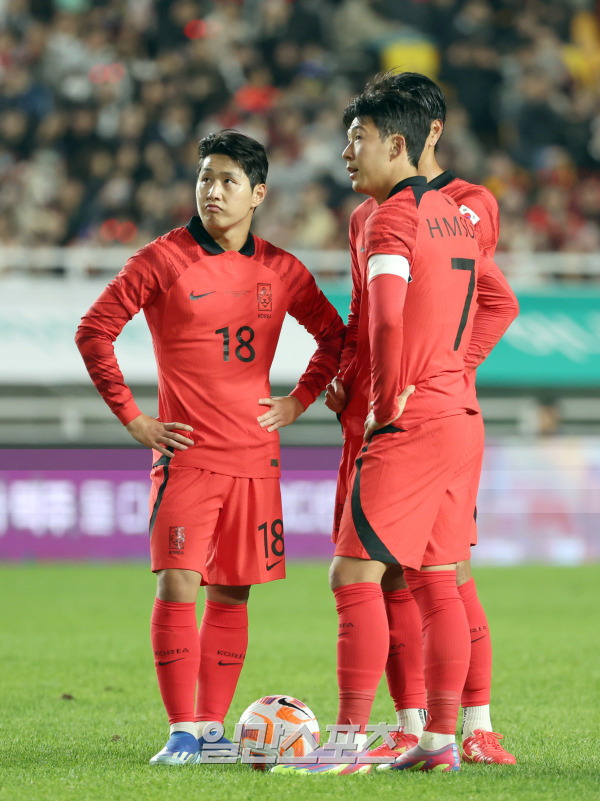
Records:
x=171, y=660
x=270, y=567
x=229, y=663
x=197, y=297
x=478, y=638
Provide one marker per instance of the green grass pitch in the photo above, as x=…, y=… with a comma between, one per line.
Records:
x=81, y=714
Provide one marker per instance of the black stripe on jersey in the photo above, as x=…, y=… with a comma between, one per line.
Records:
x=442, y=180
x=389, y=429
x=414, y=181
x=419, y=191
x=205, y=240
x=162, y=462
x=366, y=533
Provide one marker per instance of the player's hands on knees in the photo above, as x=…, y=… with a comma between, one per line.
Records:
x=371, y=424
x=160, y=436
x=282, y=412
x=335, y=396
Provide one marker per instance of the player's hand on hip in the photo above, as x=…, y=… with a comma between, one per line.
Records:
x=371, y=424
x=160, y=436
x=335, y=396
x=282, y=412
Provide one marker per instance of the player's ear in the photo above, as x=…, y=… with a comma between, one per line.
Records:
x=397, y=146
x=258, y=195
x=435, y=131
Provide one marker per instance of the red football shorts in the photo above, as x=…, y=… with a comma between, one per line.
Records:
x=228, y=529
x=412, y=494
x=351, y=449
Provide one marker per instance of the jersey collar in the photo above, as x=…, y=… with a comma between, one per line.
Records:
x=414, y=180
x=205, y=240
x=442, y=180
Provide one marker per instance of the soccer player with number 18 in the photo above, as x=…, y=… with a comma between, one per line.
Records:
x=215, y=298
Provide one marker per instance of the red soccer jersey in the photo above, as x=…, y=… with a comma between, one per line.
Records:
x=419, y=332
x=477, y=204
x=497, y=305
x=215, y=318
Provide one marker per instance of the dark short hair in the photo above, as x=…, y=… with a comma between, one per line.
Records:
x=392, y=112
x=418, y=86
x=247, y=152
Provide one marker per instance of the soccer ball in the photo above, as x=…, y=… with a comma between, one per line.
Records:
x=275, y=726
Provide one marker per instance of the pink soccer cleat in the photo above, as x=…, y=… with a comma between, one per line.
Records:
x=402, y=743
x=443, y=760
x=484, y=746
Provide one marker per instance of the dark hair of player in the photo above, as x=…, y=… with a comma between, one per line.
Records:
x=392, y=112
x=247, y=152
x=418, y=86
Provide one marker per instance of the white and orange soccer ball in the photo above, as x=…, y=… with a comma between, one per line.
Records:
x=277, y=726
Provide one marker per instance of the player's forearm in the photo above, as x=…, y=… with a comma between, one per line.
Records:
x=99, y=357
x=322, y=366
x=497, y=307
x=386, y=301
x=324, y=323
x=347, y=370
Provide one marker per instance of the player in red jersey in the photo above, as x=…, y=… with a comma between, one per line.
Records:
x=348, y=395
x=412, y=491
x=496, y=308
x=214, y=297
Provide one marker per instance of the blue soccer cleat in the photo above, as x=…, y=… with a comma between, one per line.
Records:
x=181, y=749
x=210, y=748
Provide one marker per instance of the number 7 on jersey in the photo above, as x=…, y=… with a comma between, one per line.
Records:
x=464, y=264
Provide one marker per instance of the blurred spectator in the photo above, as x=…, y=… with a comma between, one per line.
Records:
x=102, y=104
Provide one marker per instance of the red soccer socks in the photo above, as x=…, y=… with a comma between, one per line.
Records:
x=223, y=639
x=477, y=687
x=446, y=644
x=404, y=666
x=363, y=644
x=174, y=637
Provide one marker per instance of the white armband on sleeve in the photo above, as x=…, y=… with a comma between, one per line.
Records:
x=387, y=264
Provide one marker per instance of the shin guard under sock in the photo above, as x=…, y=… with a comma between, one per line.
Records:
x=404, y=666
x=477, y=687
x=446, y=644
x=363, y=644
x=174, y=636
x=223, y=638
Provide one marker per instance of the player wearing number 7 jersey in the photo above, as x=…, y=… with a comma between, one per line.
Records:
x=214, y=297
x=412, y=492
x=496, y=308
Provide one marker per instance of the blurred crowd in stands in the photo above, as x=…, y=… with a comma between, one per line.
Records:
x=102, y=103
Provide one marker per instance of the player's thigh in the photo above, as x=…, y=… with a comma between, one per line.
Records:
x=249, y=545
x=452, y=532
x=185, y=505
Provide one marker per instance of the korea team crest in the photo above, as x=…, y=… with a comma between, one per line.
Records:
x=264, y=297
x=176, y=539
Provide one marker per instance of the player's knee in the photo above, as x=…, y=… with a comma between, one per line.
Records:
x=221, y=594
x=346, y=570
x=393, y=579
x=177, y=586
x=334, y=580
x=463, y=572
